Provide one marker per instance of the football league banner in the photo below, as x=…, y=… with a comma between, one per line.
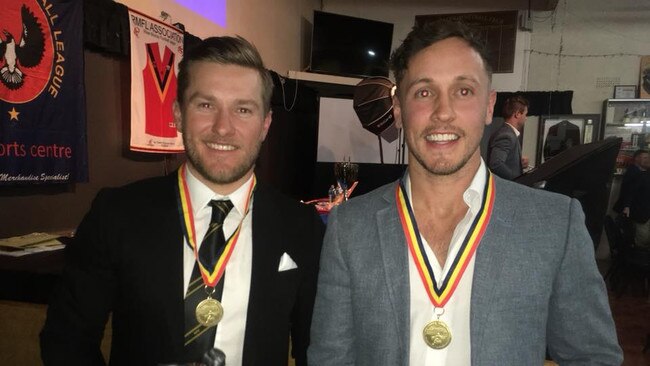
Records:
x=156, y=50
x=42, y=100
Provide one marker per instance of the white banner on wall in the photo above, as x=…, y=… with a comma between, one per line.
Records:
x=156, y=50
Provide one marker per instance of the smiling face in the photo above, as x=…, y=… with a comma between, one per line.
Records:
x=223, y=123
x=444, y=103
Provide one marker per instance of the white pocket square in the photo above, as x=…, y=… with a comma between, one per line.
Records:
x=286, y=263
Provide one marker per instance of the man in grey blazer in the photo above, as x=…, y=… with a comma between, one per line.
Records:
x=504, y=150
x=452, y=265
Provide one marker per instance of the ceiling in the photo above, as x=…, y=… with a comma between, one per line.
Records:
x=537, y=5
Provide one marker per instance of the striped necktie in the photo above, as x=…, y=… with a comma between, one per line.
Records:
x=198, y=338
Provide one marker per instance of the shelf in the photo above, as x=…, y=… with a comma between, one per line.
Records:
x=322, y=78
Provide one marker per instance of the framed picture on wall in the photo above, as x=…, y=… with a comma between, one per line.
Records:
x=624, y=91
x=557, y=133
x=497, y=30
x=644, y=78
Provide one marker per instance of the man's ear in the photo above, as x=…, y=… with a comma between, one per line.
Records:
x=397, y=111
x=178, y=116
x=492, y=98
x=267, y=124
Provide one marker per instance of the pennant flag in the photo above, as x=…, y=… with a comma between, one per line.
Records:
x=156, y=50
x=42, y=99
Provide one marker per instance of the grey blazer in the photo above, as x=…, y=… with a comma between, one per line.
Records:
x=504, y=153
x=535, y=285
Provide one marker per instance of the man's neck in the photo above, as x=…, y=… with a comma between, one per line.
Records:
x=440, y=195
x=438, y=204
x=513, y=122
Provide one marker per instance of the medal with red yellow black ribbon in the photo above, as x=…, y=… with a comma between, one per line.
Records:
x=436, y=333
x=211, y=276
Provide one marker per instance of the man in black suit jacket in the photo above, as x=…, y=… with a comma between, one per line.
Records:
x=634, y=196
x=504, y=150
x=134, y=252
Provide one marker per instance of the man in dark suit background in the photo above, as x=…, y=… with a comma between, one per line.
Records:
x=504, y=151
x=634, y=197
x=136, y=254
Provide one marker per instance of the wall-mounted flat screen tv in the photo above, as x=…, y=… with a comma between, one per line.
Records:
x=349, y=46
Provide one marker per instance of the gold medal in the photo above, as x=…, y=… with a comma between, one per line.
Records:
x=209, y=312
x=437, y=335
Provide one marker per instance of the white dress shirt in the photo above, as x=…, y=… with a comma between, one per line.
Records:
x=457, y=310
x=231, y=329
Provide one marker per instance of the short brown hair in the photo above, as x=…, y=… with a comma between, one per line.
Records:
x=424, y=35
x=225, y=51
x=513, y=105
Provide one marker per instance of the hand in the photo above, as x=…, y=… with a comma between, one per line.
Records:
x=524, y=162
x=626, y=211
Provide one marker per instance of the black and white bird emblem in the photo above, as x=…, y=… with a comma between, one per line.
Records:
x=26, y=51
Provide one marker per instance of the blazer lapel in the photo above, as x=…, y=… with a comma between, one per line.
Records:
x=395, y=263
x=267, y=243
x=488, y=268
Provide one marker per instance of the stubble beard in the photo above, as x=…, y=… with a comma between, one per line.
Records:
x=441, y=166
x=220, y=176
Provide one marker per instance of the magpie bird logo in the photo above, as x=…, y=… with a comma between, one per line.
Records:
x=24, y=50
x=28, y=58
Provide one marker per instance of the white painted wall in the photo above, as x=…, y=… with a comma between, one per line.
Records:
x=592, y=45
x=610, y=35
x=277, y=28
x=402, y=15
x=281, y=31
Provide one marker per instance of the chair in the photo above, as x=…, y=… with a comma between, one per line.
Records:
x=627, y=261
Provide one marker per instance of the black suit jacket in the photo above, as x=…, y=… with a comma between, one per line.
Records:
x=635, y=194
x=629, y=186
x=127, y=258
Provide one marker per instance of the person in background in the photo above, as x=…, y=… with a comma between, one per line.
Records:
x=452, y=265
x=200, y=259
x=634, y=197
x=504, y=150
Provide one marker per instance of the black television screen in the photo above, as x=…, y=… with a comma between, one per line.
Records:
x=350, y=46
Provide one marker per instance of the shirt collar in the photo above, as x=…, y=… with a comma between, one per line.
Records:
x=201, y=195
x=517, y=133
x=473, y=195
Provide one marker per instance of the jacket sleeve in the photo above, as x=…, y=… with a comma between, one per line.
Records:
x=80, y=305
x=580, y=329
x=501, y=146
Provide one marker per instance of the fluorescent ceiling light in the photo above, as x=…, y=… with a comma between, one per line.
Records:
x=213, y=10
